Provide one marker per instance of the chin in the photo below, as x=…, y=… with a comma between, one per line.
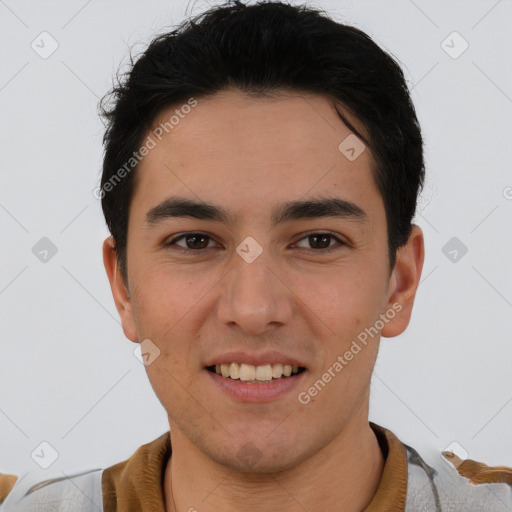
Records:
x=249, y=458
x=262, y=464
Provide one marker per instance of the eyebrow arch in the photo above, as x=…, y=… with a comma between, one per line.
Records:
x=174, y=207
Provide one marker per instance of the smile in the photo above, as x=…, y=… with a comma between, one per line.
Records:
x=260, y=374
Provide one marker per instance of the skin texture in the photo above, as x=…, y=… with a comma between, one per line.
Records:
x=248, y=155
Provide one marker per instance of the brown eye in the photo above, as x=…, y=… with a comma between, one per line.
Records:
x=191, y=242
x=196, y=241
x=321, y=242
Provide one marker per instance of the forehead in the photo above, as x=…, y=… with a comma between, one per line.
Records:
x=254, y=151
x=250, y=122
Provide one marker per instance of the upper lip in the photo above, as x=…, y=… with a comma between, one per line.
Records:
x=260, y=359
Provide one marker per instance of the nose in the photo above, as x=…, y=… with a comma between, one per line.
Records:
x=255, y=297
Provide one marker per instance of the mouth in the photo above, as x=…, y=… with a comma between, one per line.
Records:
x=261, y=374
x=255, y=377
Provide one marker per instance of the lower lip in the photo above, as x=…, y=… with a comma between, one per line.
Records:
x=250, y=392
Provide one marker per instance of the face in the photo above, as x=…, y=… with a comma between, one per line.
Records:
x=255, y=275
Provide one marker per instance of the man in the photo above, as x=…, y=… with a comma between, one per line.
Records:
x=261, y=171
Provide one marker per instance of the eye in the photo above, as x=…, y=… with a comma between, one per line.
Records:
x=192, y=242
x=321, y=242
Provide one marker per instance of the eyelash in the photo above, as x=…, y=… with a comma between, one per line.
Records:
x=197, y=251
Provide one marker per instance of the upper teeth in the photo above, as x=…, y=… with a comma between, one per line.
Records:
x=248, y=372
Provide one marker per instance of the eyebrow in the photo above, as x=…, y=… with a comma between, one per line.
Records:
x=179, y=207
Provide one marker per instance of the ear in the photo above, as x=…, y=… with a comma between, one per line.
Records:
x=404, y=282
x=119, y=290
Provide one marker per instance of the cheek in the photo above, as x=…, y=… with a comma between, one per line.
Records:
x=343, y=303
x=162, y=298
x=170, y=309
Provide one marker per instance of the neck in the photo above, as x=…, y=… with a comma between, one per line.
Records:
x=344, y=476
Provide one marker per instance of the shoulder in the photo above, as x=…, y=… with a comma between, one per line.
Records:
x=6, y=484
x=440, y=481
x=76, y=492
x=479, y=472
x=90, y=490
